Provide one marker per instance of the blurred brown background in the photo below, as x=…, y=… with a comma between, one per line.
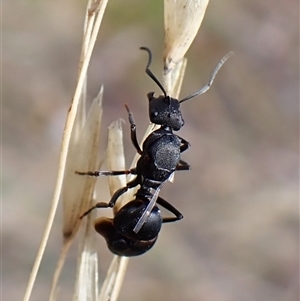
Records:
x=238, y=240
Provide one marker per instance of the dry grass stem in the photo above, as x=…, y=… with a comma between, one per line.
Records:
x=114, y=278
x=78, y=191
x=115, y=161
x=90, y=41
x=58, y=269
x=87, y=278
x=83, y=155
x=115, y=156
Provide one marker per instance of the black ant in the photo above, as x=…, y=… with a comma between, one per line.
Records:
x=137, y=224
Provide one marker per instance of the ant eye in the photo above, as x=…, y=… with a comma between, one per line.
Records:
x=154, y=114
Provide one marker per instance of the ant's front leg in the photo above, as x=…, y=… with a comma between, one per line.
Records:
x=107, y=172
x=133, y=131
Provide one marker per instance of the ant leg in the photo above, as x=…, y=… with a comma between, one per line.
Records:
x=183, y=165
x=172, y=209
x=133, y=131
x=98, y=205
x=122, y=190
x=185, y=145
x=182, y=162
x=107, y=173
x=114, y=198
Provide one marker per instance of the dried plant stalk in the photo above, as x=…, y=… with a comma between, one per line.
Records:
x=114, y=279
x=89, y=41
x=86, y=287
x=83, y=155
x=115, y=157
x=78, y=191
x=115, y=161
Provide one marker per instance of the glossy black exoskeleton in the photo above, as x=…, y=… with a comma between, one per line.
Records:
x=118, y=231
x=160, y=158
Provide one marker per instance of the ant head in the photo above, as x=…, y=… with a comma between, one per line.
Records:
x=165, y=110
x=118, y=243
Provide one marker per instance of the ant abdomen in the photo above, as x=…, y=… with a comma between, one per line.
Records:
x=118, y=232
x=127, y=217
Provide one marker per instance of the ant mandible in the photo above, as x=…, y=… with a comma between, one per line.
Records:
x=160, y=158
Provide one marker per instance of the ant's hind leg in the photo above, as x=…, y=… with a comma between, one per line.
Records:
x=172, y=209
x=114, y=198
x=98, y=205
x=111, y=203
x=122, y=190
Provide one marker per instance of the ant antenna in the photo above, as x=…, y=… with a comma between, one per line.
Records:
x=213, y=75
x=149, y=72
